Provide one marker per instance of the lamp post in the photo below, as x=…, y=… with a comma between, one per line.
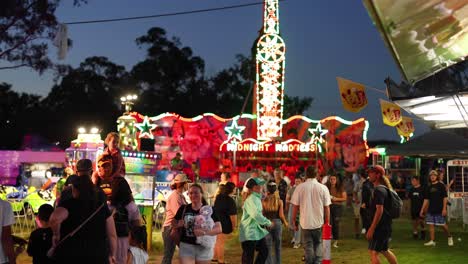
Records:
x=128, y=101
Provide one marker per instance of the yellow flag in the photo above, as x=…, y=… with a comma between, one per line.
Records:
x=353, y=95
x=405, y=127
x=391, y=113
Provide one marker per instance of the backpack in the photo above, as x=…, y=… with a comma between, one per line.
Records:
x=396, y=204
x=122, y=225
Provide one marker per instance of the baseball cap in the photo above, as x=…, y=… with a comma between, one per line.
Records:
x=377, y=168
x=254, y=182
x=71, y=179
x=84, y=165
x=433, y=172
x=180, y=178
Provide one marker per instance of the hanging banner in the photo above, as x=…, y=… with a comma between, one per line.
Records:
x=405, y=128
x=353, y=95
x=391, y=113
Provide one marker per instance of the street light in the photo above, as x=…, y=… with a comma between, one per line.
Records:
x=128, y=101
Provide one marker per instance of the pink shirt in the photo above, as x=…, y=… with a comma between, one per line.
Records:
x=173, y=203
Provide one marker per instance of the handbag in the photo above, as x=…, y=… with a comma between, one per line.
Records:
x=176, y=232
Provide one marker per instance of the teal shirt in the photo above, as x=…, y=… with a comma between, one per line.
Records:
x=252, y=219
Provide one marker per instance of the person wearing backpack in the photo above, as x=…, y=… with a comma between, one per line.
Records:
x=126, y=215
x=380, y=230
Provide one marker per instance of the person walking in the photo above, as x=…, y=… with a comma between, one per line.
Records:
x=40, y=240
x=273, y=210
x=380, y=230
x=416, y=195
x=189, y=250
x=435, y=205
x=175, y=200
x=87, y=216
x=296, y=239
x=313, y=201
x=226, y=209
x=7, y=219
x=338, y=198
x=126, y=216
x=366, y=195
x=252, y=228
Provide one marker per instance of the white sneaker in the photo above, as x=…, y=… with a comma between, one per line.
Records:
x=450, y=241
x=298, y=245
x=363, y=231
x=430, y=243
x=335, y=244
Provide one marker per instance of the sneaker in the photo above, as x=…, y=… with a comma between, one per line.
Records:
x=335, y=244
x=363, y=231
x=430, y=243
x=450, y=241
x=298, y=245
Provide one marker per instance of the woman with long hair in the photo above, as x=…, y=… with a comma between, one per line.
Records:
x=89, y=243
x=173, y=203
x=189, y=250
x=226, y=209
x=338, y=198
x=126, y=215
x=273, y=210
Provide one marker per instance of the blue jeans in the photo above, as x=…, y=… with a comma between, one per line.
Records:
x=312, y=243
x=169, y=245
x=273, y=240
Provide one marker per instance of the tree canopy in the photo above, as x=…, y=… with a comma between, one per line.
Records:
x=169, y=79
x=26, y=27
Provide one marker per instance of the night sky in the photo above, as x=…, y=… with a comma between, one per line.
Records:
x=324, y=39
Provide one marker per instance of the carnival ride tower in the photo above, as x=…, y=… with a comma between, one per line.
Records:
x=270, y=64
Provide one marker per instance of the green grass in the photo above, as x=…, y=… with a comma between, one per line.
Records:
x=353, y=250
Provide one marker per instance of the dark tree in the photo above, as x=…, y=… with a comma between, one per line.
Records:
x=168, y=75
x=86, y=96
x=18, y=115
x=296, y=105
x=26, y=26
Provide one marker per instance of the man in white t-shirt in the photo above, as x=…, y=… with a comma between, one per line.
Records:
x=313, y=200
x=7, y=219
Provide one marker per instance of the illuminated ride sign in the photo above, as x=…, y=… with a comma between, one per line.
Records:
x=252, y=145
x=270, y=63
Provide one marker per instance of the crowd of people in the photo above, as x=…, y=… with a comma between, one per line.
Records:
x=95, y=218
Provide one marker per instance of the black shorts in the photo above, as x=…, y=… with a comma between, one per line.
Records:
x=415, y=215
x=379, y=244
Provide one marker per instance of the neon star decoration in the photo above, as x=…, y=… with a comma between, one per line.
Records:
x=270, y=64
x=234, y=131
x=317, y=135
x=145, y=128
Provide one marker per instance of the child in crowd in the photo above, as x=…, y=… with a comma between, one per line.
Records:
x=118, y=165
x=417, y=199
x=137, y=252
x=40, y=239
